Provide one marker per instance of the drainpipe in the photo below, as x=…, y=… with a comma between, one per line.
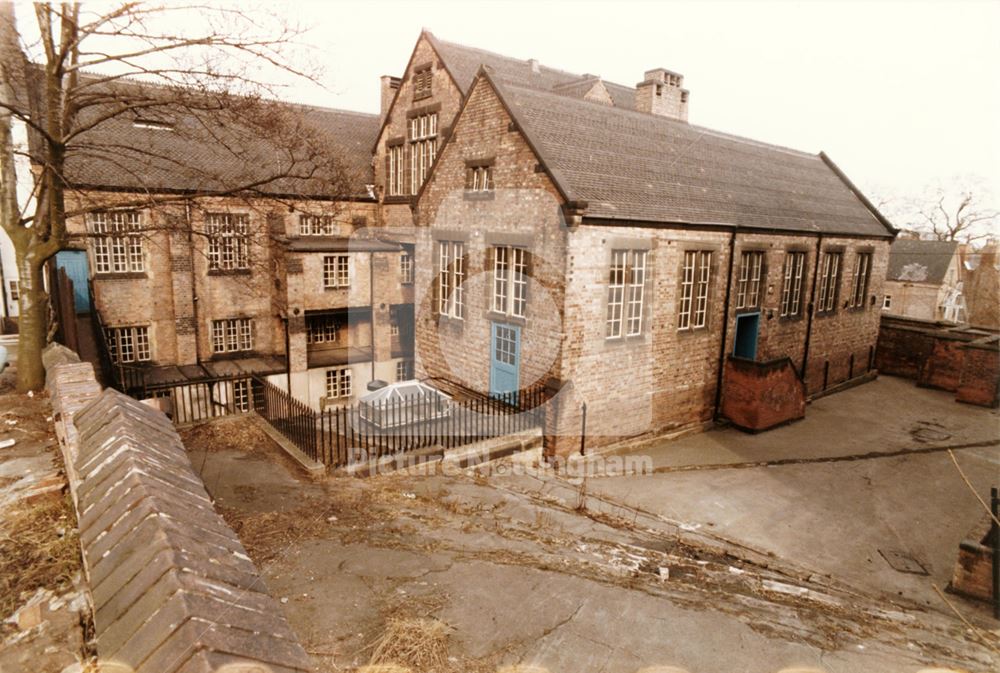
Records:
x=812, y=305
x=288, y=357
x=3, y=292
x=725, y=324
x=194, y=280
x=371, y=305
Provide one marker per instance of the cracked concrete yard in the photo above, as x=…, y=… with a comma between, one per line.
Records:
x=520, y=574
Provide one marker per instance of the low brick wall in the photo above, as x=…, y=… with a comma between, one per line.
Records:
x=171, y=586
x=761, y=395
x=962, y=360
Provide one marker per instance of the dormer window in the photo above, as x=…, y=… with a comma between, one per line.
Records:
x=422, y=79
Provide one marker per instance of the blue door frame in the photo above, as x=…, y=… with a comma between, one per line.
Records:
x=74, y=262
x=745, y=341
x=505, y=359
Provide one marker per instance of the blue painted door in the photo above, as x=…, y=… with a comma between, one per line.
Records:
x=747, y=326
x=75, y=264
x=505, y=359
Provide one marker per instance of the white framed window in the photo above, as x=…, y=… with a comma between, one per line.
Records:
x=395, y=158
x=423, y=148
x=829, y=281
x=404, y=370
x=241, y=394
x=322, y=329
x=231, y=335
x=862, y=276
x=118, y=246
x=15, y=289
x=316, y=225
x=791, y=291
x=337, y=271
x=696, y=275
x=479, y=179
x=748, y=285
x=128, y=344
x=451, y=274
x=510, y=280
x=406, y=268
x=338, y=382
x=228, y=241
x=887, y=302
x=626, y=290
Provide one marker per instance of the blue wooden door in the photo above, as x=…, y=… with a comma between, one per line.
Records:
x=505, y=359
x=747, y=326
x=75, y=264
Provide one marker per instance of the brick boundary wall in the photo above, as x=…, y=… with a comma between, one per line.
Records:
x=171, y=586
x=962, y=360
x=758, y=396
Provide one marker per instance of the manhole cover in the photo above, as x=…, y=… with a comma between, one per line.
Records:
x=903, y=562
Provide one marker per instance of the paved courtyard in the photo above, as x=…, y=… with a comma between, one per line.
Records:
x=751, y=567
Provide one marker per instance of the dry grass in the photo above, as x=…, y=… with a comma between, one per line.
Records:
x=267, y=535
x=420, y=643
x=236, y=433
x=32, y=553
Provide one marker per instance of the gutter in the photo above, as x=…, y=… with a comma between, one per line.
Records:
x=725, y=324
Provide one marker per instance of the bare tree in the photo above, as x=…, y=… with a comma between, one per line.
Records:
x=197, y=70
x=953, y=211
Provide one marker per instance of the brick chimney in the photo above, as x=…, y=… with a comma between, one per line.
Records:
x=662, y=93
x=390, y=85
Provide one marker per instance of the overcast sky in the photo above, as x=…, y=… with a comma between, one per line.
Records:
x=897, y=93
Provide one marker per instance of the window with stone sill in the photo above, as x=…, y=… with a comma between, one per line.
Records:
x=15, y=290
x=450, y=278
x=338, y=382
x=791, y=291
x=322, y=329
x=232, y=335
x=862, y=277
x=510, y=280
x=316, y=225
x=228, y=241
x=696, y=275
x=406, y=268
x=128, y=344
x=404, y=370
x=626, y=289
x=336, y=271
x=479, y=179
x=117, y=241
x=423, y=148
x=748, y=284
x=829, y=282
x=394, y=169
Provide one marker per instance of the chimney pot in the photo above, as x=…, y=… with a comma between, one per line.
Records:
x=533, y=62
x=661, y=93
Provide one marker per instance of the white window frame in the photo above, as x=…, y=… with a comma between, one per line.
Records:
x=396, y=164
x=510, y=280
x=14, y=287
x=829, y=280
x=404, y=370
x=887, y=302
x=423, y=148
x=480, y=178
x=791, y=292
x=322, y=329
x=862, y=276
x=337, y=271
x=406, y=268
x=339, y=383
x=696, y=277
x=626, y=293
x=118, y=246
x=232, y=335
x=315, y=225
x=241, y=394
x=748, y=284
x=129, y=344
x=451, y=275
x=228, y=241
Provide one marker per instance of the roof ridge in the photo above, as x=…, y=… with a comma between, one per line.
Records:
x=658, y=118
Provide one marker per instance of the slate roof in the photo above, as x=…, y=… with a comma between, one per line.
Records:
x=920, y=261
x=464, y=62
x=629, y=165
x=171, y=146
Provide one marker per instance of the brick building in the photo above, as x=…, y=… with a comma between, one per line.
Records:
x=292, y=280
x=582, y=235
x=924, y=280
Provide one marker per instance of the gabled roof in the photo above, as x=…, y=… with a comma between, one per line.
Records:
x=464, y=63
x=180, y=140
x=640, y=167
x=920, y=261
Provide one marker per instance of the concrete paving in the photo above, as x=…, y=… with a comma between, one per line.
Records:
x=716, y=569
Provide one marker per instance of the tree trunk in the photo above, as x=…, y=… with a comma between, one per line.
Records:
x=32, y=324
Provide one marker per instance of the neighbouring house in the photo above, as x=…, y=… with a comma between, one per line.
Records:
x=981, y=270
x=583, y=235
x=925, y=280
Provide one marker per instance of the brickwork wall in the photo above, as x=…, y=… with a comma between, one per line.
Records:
x=171, y=586
x=980, y=381
x=759, y=396
x=914, y=300
x=524, y=211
